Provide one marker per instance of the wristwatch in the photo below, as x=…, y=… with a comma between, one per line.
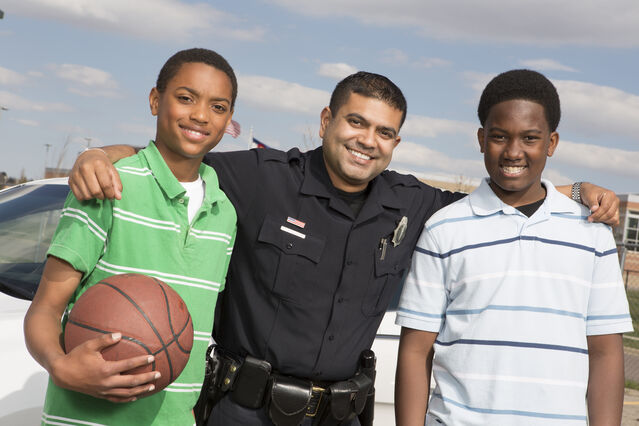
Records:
x=575, y=193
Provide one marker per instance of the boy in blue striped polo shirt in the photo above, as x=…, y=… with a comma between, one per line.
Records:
x=514, y=301
x=174, y=223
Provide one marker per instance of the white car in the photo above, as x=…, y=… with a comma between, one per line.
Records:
x=29, y=214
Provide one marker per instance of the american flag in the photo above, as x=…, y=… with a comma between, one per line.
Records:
x=258, y=144
x=233, y=129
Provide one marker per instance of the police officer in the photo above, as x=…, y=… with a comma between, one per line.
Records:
x=324, y=238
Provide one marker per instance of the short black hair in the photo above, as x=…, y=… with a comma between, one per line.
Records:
x=521, y=84
x=369, y=85
x=198, y=55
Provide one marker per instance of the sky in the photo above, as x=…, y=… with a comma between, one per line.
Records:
x=75, y=73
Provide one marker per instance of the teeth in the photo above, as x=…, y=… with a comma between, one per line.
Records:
x=194, y=132
x=513, y=169
x=359, y=155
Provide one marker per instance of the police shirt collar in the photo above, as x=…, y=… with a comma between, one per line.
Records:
x=484, y=202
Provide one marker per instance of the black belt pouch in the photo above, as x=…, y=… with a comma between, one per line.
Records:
x=289, y=400
x=251, y=383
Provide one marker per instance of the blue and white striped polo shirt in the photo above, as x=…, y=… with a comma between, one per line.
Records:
x=513, y=299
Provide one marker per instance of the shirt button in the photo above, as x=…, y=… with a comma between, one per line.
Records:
x=349, y=262
x=317, y=373
x=340, y=300
x=289, y=246
x=331, y=337
x=181, y=201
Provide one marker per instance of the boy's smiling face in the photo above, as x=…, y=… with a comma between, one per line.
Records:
x=192, y=112
x=515, y=141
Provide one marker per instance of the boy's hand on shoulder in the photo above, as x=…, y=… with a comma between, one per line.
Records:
x=85, y=370
x=94, y=176
x=603, y=203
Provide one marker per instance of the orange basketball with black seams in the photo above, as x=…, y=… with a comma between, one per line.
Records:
x=151, y=316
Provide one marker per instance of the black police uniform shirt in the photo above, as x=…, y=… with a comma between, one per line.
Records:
x=308, y=282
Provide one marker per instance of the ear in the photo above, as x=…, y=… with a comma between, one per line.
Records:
x=325, y=119
x=398, y=139
x=154, y=101
x=554, y=141
x=480, y=139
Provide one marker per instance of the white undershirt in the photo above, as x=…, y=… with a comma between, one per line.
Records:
x=195, y=192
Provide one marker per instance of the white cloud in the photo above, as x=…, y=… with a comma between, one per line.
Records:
x=8, y=76
x=556, y=177
x=30, y=123
x=414, y=154
x=431, y=63
x=336, y=71
x=545, y=65
x=282, y=95
x=169, y=20
x=87, y=81
x=399, y=57
x=15, y=102
x=548, y=22
x=611, y=160
x=428, y=127
x=590, y=109
x=394, y=56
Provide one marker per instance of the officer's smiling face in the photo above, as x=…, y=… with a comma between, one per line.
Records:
x=358, y=140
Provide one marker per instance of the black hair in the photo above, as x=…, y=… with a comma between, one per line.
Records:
x=198, y=55
x=521, y=84
x=371, y=86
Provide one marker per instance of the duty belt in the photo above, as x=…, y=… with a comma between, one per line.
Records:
x=252, y=384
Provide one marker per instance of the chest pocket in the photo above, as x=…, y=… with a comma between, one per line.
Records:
x=298, y=257
x=387, y=275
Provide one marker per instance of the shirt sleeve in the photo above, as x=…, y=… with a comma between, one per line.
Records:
x=608, y=311
x=424, y=297
x=229, y=253
x=238, y=174
x=82, y=233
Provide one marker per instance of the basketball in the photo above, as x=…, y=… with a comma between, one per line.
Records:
x=151, y=316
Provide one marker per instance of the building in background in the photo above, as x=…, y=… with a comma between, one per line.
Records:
x=627, y=238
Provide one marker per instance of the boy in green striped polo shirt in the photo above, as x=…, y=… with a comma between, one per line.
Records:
x=172, y=212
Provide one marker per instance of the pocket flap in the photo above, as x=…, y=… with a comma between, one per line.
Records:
x=309, y=246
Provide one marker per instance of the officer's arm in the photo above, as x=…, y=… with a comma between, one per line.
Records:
x=93, y=174
x=603, y=203
x=412, y=380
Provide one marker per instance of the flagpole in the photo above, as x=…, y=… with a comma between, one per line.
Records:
x=250, y=139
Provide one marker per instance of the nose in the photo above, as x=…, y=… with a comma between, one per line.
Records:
x=199, y=112
x=367, y=138
x=513, y=150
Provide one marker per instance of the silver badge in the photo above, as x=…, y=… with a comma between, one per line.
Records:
x=400, y=232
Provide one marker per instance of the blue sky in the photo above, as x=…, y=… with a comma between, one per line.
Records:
x=79, y=71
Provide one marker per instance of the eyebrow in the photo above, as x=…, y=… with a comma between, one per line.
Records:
x=378, y=128
x=196, y=93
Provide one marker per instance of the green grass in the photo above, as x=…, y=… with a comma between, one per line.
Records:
x=632, y=385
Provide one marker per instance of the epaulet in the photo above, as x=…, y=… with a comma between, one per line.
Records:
x=393, y=178
x=270, y=154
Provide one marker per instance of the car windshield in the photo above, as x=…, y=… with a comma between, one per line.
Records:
x=29, y=215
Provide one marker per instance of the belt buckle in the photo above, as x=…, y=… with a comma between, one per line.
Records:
x=315, y=401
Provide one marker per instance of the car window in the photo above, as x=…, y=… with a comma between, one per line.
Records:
x=29, y=215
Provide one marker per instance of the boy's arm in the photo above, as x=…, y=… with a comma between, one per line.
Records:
x=602, y=202
x=412, y=380
x=606, y=380
x=93, y=174
x=83, y=369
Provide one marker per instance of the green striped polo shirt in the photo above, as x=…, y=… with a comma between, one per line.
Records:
x=148, y=232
